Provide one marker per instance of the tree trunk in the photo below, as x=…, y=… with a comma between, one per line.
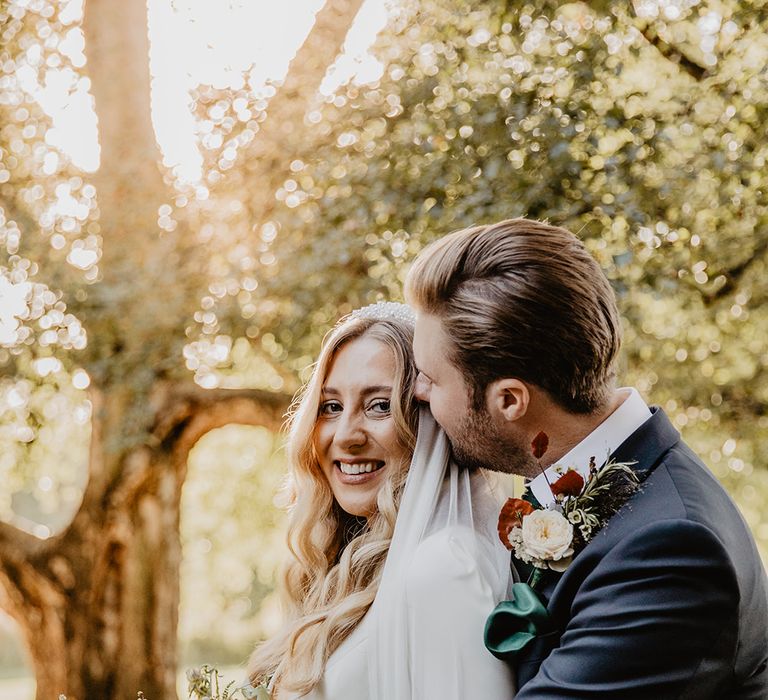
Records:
x=98, y=604
x=99, y=607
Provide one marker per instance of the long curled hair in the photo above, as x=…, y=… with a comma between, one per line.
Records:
x=336, y=562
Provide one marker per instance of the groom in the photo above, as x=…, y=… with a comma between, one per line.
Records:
x=517, y=332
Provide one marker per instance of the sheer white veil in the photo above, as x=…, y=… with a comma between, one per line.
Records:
x=438, y=495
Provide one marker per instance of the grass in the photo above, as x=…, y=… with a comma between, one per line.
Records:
x=23, y=687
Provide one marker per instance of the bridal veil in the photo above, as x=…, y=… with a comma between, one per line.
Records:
x=445, y=571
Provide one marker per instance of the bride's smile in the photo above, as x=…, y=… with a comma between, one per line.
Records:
x=358, y=467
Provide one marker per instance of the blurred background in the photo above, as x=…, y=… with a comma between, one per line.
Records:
x=191, y=192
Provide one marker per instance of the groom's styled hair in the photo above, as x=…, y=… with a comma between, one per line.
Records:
x=522, y=299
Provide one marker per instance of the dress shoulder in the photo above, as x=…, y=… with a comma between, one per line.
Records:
x=461, y=543
x=449, y=595
x=455, y=560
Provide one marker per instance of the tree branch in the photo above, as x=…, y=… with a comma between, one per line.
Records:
x=237, y=409
x=671, y=53
x=129, y=183
x=17, y=545
x=734, y=274
x=188, y=412
x=117, y=44
x=177, y=406
x=183, y=413
x=268, y=154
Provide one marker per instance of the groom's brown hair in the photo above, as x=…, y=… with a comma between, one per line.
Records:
x=522, y=299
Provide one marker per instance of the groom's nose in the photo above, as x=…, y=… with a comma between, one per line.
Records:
x=422, y=387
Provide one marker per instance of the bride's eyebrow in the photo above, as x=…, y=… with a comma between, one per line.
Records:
x=375, y=389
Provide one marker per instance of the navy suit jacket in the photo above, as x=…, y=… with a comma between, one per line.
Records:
x=668, y=600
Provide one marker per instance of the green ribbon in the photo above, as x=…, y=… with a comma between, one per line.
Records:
x=515, y=623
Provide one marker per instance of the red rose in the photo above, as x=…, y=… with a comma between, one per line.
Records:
x=569, y=484
x=511, y=516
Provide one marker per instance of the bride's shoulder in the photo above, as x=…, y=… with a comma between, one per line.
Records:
x=451, y=553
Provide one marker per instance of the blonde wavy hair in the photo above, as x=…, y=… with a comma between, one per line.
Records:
x=336, y=559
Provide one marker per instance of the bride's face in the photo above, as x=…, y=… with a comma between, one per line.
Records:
x=355, y=437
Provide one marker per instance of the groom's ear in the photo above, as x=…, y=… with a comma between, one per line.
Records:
x=508, y=398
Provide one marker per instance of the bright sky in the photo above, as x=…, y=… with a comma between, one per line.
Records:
x=206, y=42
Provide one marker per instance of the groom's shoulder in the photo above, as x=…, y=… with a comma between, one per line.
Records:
x=675, y=482
x=680, y=499
x=679, y=486
x=683, y=482
x=683, y=516
x=677, y=551
x=681, y=502
x=682, y=486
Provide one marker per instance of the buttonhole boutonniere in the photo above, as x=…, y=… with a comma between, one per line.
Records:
x=547, y=538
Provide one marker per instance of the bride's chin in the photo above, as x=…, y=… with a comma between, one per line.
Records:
x=360, y=500
x=360, y=510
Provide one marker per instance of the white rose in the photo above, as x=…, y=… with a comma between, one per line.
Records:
x=547, y=536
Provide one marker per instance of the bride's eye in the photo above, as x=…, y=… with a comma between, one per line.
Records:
x=329, y=408
x=380, y=407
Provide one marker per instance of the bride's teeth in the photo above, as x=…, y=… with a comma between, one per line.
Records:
x=360, y=468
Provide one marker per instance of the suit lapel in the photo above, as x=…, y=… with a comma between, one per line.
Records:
x=648, y=444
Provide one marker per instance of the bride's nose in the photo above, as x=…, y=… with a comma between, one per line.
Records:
x=350, y=430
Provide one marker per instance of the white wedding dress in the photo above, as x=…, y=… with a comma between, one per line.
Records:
x=446, y=569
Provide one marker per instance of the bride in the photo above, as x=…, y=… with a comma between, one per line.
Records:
x=394, y=559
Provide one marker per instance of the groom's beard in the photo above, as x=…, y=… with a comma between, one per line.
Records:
x=478, y=443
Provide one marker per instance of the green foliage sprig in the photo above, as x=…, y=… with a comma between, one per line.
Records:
x=605, y=492
x=204, y=684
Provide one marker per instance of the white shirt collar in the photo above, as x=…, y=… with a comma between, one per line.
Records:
x=600, y=443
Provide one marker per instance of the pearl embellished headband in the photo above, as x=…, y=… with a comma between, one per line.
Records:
x=385, y=310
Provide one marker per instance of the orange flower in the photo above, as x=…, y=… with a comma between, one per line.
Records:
x=540, y=444
x=569, y=484
x=511, y=516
